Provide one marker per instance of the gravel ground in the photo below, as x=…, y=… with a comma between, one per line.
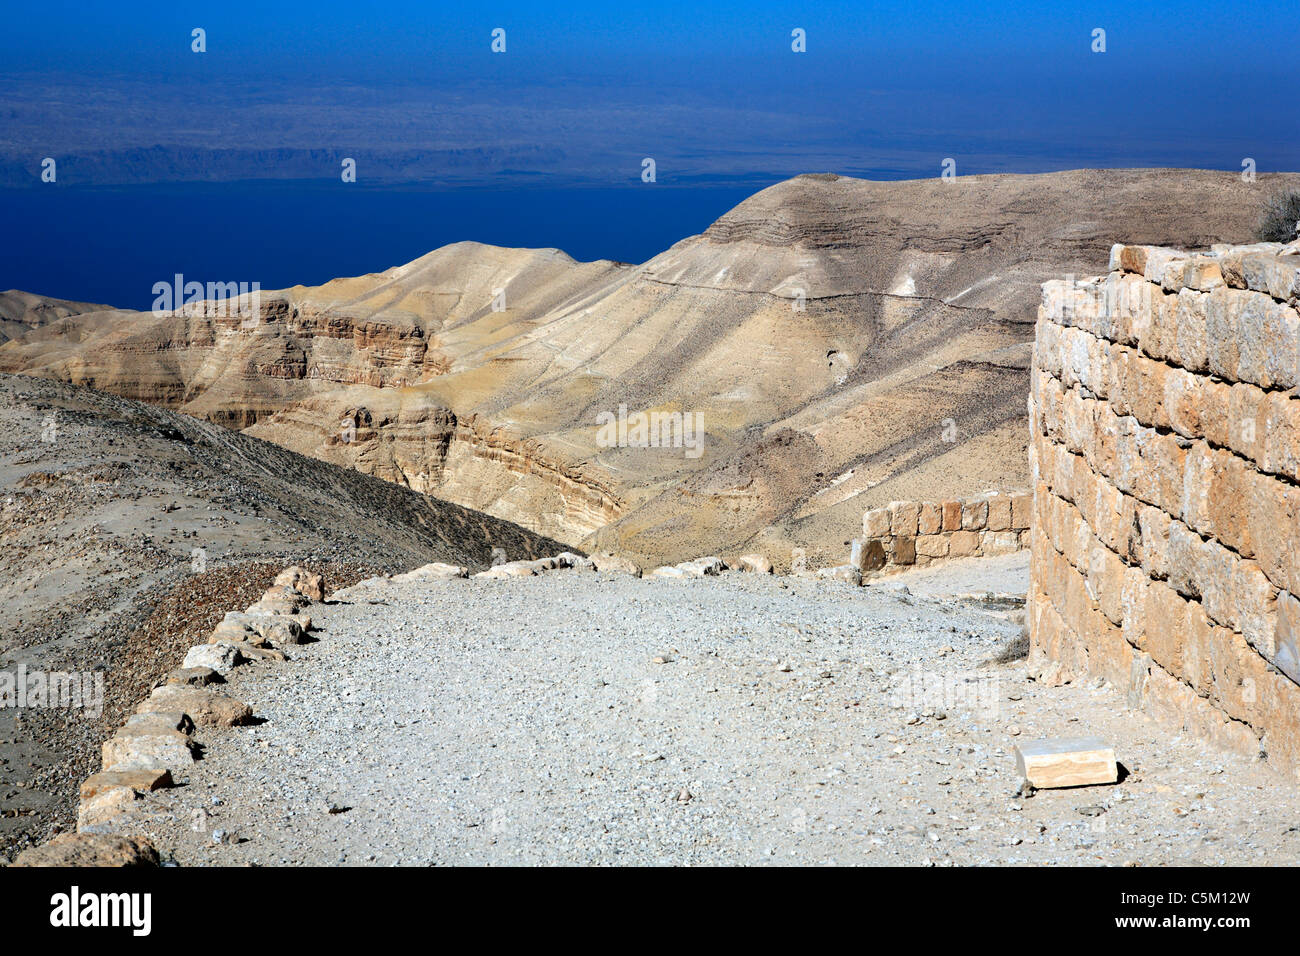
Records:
x=581, y=718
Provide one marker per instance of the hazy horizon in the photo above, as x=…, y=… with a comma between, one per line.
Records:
x=144, y=132
x=583, y=94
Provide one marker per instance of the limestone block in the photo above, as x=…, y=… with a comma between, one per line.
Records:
x=1222, y=309
x=932, y=545
x=903, y=550
x=903, y=517
x=207, y=707
x=1021, y=511
x=999, y=513
x=605, y=561
x=1287, y=636
x=1273, y=519
x=1066, y=762
x=1000, y=542
x=876, y=523
x=1280, y=414
x=144, y=781
x=437, y=571
x=1260, y=269
x=91, y=849
x=302, y=581
x=930, y=518
x=511, y=569
x=104, y=809
x=222, y=657
x=170, y=752
x=869, y=555
x=975, y=514
x=1191, y=344
x=963, y=543
x=704, y=567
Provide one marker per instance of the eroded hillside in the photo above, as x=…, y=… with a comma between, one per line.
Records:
x=839, y=343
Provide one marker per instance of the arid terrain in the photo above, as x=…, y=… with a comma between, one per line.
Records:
x=840, y=343
x=128, y=531
x=735, y=719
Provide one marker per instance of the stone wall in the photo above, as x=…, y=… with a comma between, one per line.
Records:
x=918, y=532
x=1166, y=460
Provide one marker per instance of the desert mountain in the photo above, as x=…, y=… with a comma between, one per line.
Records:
x=838, y=342
x=20, y=312
x=104, y=498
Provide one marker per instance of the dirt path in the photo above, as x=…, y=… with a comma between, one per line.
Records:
x=791, y=721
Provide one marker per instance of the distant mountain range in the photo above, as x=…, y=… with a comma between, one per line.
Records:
x=494, y=128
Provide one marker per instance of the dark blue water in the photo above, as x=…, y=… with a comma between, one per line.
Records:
x=111, y=245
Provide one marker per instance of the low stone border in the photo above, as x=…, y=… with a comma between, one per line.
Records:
x=155, y=747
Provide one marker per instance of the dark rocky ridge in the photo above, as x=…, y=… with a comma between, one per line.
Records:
x=104, y=501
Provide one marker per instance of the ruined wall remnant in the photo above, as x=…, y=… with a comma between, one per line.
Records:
x=1166, y=460
x=918, y=532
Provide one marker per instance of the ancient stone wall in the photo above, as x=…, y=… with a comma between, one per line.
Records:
x=918, y=532
x=1166, y=459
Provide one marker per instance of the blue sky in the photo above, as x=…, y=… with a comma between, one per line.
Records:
x=1186, y=35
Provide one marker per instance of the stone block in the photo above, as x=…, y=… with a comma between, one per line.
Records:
x=903, y=517
x=932, y=545
x=1000, y=542
x=875, y=523
x=170, y=752
x=975, y=514
x=1022, y=509
x=1280, y=413
x=963, y=543
x=873, y=556
x=302, y=581
x=1273, y=520
x=930, y=518
x=222, y=657
x=91, y=849
x=999, y=513
x=143, y=781
x=1222, y=309
x=1260, y=269
x=1287, y=637
x=207, y=707
x=105, y=810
